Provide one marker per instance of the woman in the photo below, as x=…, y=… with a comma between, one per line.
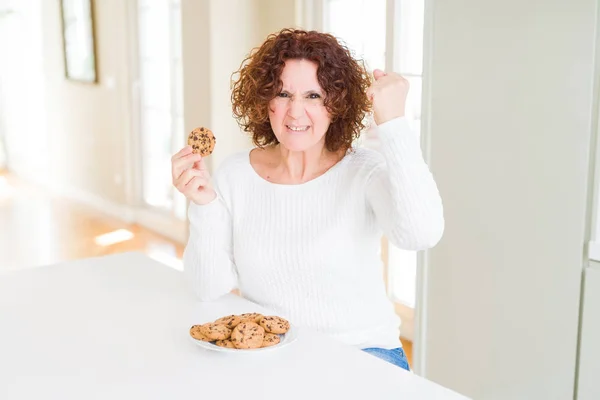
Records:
x=295, y=223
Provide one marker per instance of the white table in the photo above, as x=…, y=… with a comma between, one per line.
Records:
x=116, y=327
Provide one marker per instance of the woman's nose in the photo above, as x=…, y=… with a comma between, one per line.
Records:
x=296, y=108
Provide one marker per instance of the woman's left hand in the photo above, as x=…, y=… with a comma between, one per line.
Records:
x=388, y=95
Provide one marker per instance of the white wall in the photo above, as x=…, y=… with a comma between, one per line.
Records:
x=275, y=15
x=510, y=111
x=237, y=33
x=196, y=53
x=61, y=133
x=88, y=124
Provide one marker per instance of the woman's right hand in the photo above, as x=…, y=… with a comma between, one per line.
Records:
x=191, y=177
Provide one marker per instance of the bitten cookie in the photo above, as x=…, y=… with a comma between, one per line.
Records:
x=271, y=339
x=230, y=321
x=254, y=317
x=202, y=141
x=248, y=335
x=225, y=343
x=215, y=331
x=275, y=324
x=196, y=333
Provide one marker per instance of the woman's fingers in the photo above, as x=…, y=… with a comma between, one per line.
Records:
x=185, y=178
x=196, y=183
x=184, y=151
x=191, y=177
x=184, y=162
x=377, y=73
x=201, y=165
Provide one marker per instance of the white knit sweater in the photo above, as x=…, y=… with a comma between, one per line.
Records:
x=310, y=252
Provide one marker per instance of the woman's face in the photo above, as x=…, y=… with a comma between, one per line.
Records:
x=298, y=116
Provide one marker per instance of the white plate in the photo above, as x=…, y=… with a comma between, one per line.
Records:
x=287, y=338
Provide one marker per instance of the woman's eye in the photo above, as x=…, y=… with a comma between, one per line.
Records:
x=282, y=94
x=314, y=96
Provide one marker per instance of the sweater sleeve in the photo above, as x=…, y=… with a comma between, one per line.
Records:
x=208, y=256
x=402, y=191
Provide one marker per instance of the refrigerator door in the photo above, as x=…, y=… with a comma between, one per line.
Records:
x=588, y=387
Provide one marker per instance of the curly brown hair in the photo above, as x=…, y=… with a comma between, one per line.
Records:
x=343, y=78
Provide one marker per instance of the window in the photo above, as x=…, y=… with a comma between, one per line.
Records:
x=22, y=86
x=386, y=34
x=407, y=53
x=361, y=25
x=160, y=102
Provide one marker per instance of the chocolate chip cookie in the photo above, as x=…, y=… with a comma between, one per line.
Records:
x=248, y=335
x=254, y=317
x=271, y=339
x=225, y=343
x=215, y=331
x=196, y=333
x=231, y=321
x=202, y=141
x=275, y=324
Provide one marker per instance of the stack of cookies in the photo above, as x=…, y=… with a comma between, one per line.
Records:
x=245, y=331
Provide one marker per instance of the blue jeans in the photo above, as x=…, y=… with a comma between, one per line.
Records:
x=393, y=356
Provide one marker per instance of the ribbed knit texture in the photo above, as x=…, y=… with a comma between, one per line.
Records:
x=310, y=252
